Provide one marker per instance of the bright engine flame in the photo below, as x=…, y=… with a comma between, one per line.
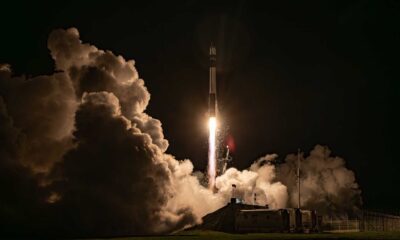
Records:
x=212, y=125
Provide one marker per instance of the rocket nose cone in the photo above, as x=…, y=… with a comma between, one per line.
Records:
x=213, y=51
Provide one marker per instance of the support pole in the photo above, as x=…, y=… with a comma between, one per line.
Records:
x=298, y=177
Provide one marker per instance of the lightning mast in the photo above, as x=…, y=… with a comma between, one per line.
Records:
x=298, y=177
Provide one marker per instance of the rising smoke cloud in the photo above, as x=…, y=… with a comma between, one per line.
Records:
x=258, y=181
x=325, y=184
x=93, y=154
x=80, y=157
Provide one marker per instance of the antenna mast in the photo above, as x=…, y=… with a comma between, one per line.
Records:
x=298, y=177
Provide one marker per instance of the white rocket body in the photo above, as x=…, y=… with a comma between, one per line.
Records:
x=212, y=107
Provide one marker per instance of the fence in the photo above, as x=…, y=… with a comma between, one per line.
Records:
x=367, y=221
x=374, y=221
x=341, y=225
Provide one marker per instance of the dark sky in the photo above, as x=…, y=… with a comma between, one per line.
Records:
x=290, y=74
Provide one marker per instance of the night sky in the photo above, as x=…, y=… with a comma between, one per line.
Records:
x=290, y=75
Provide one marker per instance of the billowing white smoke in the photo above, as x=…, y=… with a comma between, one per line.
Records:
x=78, y=144
x=98, y=159
x=325, y=184
x=254, y=186
x=258, y=180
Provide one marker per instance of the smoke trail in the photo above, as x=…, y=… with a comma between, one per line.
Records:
x=212, y=150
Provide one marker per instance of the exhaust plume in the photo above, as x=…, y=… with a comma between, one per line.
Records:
x=212, y=150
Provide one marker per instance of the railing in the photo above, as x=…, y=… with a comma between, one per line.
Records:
x=373, y=221
x=341, y=225
x=367, y=221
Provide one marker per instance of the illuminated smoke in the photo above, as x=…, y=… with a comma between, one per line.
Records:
x=212, y=149
x=259, y=179
x=326, y=184
x=79, y=145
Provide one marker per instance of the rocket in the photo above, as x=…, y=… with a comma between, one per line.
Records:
x=212, y=102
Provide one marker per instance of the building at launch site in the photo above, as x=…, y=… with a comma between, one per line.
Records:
x=237, y=217
x=242, y=218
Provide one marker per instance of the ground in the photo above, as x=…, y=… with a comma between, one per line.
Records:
x=200, y=235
